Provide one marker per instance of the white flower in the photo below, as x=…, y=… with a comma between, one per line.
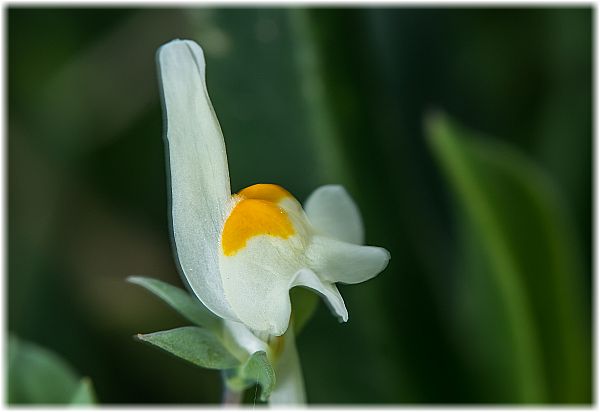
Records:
x=242, y=253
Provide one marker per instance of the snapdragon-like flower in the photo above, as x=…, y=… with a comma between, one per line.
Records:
x=242, y=253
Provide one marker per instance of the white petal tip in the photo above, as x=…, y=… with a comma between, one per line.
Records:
x=174, y=56
x=337, y=188
x=385, y=258
x=179, y=43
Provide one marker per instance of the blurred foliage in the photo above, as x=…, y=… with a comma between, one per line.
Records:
x=521, y=255
x=308, y=97
x=38, y=376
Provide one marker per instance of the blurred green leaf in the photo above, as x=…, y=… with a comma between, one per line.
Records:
x=188, y=306
x=84, y=395
x=530, y=261
x=36, y=375
x=256, y=370
x=196, y=345
x=324, y=131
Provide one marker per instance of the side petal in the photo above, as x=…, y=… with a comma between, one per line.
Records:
x=289, y=387
x=332, y=212
x=307, y=278
x=337, y=261
x=199, y=177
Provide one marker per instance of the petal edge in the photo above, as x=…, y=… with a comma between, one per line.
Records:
x=307, y=278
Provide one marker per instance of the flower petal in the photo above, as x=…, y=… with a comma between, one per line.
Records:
x=332, y=212
x=241, y=341
x=256, y=280
x=337, y=261
x=307, y=278
x=199, y=177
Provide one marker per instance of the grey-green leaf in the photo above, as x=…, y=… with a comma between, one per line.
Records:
x=196, y=345
x=525, y=270
x=39, y=376
x=184, y=303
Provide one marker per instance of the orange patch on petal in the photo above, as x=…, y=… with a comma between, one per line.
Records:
x=270, y=192
x=253, y=217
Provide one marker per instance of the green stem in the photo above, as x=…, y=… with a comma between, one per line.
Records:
x=231, y=397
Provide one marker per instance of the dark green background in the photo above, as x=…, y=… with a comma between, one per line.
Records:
x=304, y=97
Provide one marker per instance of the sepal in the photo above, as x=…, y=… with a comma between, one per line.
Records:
x=256, y=370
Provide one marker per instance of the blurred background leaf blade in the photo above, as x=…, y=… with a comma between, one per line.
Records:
x=84, y=395
x=39, y=376
x=533, y=261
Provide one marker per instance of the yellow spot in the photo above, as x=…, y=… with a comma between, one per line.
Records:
x=272, y=193
x=253, y=217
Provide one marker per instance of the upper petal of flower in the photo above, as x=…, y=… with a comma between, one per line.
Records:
x=333, y=213
x=199, y=176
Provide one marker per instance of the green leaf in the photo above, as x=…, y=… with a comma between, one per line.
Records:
x=84, y=394
x=39, y=376
x=187, y=305
x=527, y=275
x=196, y=345
x=256, y=370
x=304, y=304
